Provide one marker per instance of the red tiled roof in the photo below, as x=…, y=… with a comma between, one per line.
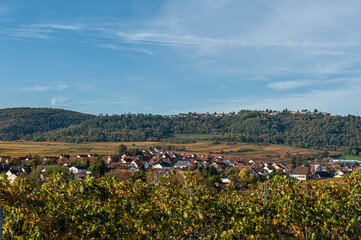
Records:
x=301, y=171
x=117, y=164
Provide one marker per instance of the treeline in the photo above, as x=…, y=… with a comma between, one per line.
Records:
x=22, y=123
x=300, y=130
x=103, y=208
x=309, y=131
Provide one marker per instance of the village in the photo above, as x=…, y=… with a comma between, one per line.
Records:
x=161, y=161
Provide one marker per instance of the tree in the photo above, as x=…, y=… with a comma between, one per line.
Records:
x=211, y=170
x=120, y=174
x=245, y=178
x=193, y=167
x=38, y=175
x=121, y=150
x=98, y=168
x=140, y=175
x=51, y=169
x=175, y=178
x=324, y=154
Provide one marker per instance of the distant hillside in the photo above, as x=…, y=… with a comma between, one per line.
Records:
x=295, y=129
x=301, y=130
x=21, y=123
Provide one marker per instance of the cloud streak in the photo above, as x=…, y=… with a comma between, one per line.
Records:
x=288, y=85
x=55, y=101
x=125, y=49
x=38, y=88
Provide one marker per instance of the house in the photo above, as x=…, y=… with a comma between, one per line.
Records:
x=318, y=168
x=301, y=173
x=64, y=156
x=132, y=169
x=117, y=164
x=5, y=159
x=137, y=164
x=269, y=169
x=226, y=180
x=182, y=164
x=162, y=165
x=12, y=178
x=49, y=159
x=12, y=174
x=62, y=161
x=322, y=175
x=84, y=156
x=78, y=169
x=107, y=159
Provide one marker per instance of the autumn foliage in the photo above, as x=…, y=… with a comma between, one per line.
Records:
x=103, y=208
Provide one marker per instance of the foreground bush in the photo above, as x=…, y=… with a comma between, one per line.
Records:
x=106, y=209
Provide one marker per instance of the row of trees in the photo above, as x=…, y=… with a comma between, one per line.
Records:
x=102, y=208
x=310, y=131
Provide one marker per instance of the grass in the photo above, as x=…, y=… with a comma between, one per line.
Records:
x=197, y=137
x=350, y=157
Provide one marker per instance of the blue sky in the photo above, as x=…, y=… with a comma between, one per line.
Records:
x=167, y=57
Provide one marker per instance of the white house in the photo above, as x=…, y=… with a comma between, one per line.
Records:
x=301, y=173
x=78, y=169
x=138, y=164
x=162, y=165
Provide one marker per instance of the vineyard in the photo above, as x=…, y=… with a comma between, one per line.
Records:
x=102, y=208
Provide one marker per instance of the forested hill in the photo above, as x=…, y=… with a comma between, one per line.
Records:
x=296, y=129
x=21, y=123
x=302, y=130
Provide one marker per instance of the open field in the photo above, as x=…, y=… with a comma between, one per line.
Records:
x=197, y=137
x=349, y=157
x=22, y=148
x=237, y=150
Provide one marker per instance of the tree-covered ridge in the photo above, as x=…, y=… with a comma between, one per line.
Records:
x=316, y=131
x=21, y=123
x=295, y=129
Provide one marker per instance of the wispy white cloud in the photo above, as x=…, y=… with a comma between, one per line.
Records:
x=55, y=101
x=287, y=85
x=27, y=33
x=62, y=87
x=39, y=31
x=125, y=49
x=329, y=53
x=38, y=88
x=54, y=26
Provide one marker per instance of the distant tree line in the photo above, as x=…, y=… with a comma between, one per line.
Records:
x=308, y=131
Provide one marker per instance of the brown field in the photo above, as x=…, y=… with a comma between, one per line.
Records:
x=22, y=148
x=237, y=150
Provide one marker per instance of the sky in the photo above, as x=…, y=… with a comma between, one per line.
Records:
x=170, y=56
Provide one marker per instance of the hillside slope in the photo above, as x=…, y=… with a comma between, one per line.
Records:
x=21, y=123
x=310, y=130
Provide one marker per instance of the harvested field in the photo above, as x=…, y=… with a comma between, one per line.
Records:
x=272, y=153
